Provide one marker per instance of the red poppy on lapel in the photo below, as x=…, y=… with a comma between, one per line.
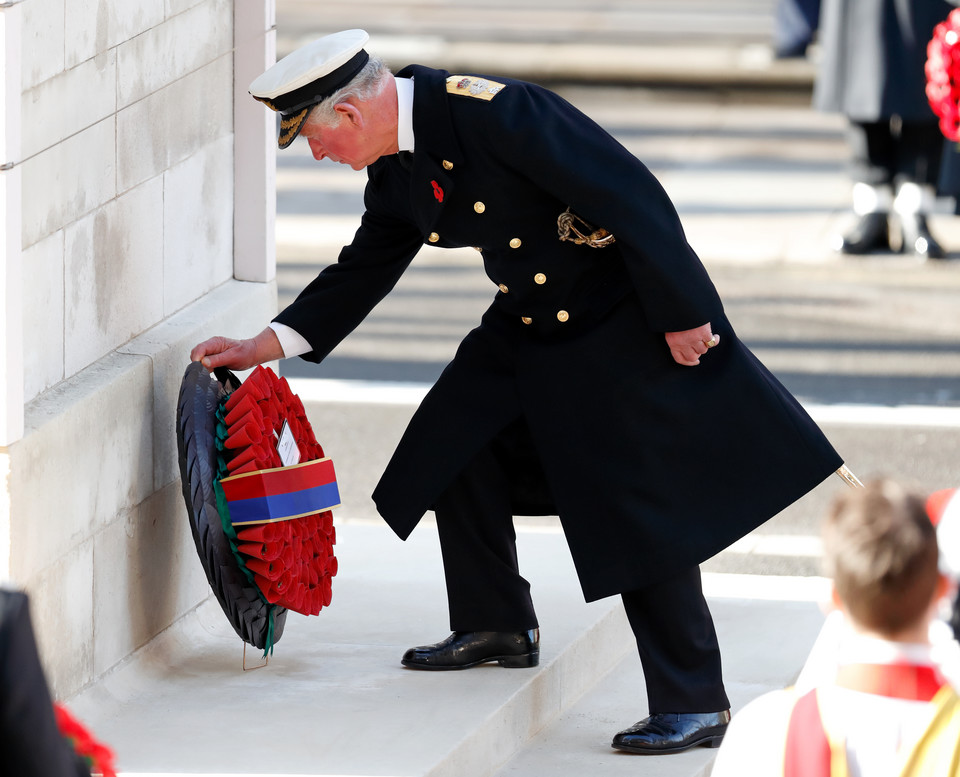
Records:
x=437, y=191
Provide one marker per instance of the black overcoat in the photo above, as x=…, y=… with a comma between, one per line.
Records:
x=872, y=57
x=651, y=466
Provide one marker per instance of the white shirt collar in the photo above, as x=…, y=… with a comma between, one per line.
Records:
x=404, y=113
x=859, y=649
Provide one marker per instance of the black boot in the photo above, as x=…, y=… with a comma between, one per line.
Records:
x=869, y=234
x=916, y=238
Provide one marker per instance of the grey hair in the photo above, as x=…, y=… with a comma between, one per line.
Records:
x=369, y=82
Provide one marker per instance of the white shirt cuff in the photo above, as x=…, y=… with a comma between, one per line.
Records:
x=292, y=342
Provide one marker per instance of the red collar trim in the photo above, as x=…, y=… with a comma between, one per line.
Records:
x=898, y=681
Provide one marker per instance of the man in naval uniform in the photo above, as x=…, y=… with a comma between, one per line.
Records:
x=604, y=383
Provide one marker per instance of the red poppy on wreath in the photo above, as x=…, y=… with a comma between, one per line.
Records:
x=943, y=75
x=437, y=191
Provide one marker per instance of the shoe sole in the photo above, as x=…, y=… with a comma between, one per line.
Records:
x=525, y=661
x=710, y=741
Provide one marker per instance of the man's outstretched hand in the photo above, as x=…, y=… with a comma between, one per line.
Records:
x=688, y=346
x=238, y=354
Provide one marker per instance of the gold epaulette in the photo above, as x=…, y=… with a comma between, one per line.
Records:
x=471, y=86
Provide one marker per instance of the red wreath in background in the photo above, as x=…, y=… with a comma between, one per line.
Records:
x=292, y=561
x=943, y=74
x=97, y=757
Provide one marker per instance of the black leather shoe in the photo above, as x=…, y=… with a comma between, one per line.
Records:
x=463, y=649
x=869, y=234
x=673, y=733
x=916, y=238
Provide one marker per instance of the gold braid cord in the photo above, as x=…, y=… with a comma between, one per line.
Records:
x=595, y=237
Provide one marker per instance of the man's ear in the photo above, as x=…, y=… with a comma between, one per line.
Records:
x=835, y=599
x=350, y=113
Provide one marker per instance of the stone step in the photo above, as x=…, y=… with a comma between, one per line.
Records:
x=334, y=700
x=627, y=21
x=764, y=644
x=702, y=42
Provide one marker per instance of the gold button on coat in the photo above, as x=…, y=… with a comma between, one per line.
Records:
x=447, y=165
x=478, y=248
x=526, y=319
x=540, y=278
x=562, y=315
x=434, y=237
x=515, y=243
x=479, y=207
x=503, y=288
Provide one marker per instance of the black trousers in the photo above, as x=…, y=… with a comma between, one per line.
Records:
x=888, y=151
x=485, y=592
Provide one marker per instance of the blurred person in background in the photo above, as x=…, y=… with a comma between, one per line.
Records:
x=794, y=27
x=881, y=706
x=31, y=743
x=872, y=71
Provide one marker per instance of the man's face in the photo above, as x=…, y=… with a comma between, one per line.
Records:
x=346, y=143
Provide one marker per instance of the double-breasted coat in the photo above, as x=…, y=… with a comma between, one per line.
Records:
x=651, y=466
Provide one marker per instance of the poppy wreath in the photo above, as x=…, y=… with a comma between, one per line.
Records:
x=267, y=529
x=943, y=74
x=280, y=522
x=255, y=621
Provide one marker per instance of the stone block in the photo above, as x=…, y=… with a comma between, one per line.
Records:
x=255, y=23
x=94, y=26
x=171, y=124
x=43, y=41
x=146, y=575
x=61, y=608
x=69, y=102
x=69, y=180
x=172, y=50
x=114, y=275
x=255, y=148
x=234, y=309
x=198, y=225
x=43, y=315
x=85, y=457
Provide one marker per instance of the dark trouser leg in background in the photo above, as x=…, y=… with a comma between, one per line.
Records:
x=893, y=156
